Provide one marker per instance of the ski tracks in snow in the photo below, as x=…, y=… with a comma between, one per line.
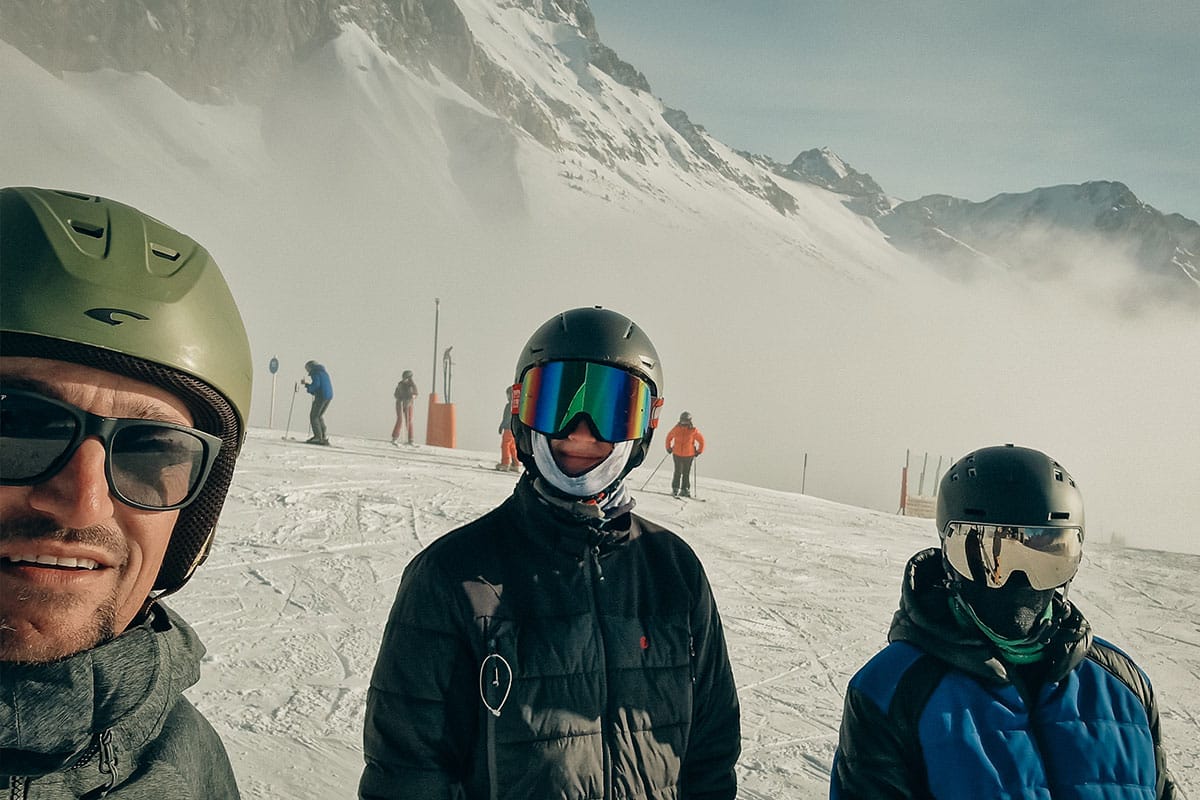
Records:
x=313, y=541
x=293, y=602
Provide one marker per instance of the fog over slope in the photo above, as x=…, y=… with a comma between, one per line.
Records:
x=342, y=202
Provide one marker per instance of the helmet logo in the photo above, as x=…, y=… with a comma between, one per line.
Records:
x=107, y=315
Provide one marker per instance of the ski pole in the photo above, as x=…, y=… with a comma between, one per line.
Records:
x=695, y=478
x=295, y=389
x=652, y=474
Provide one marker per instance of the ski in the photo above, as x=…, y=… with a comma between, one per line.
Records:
x=676, y=496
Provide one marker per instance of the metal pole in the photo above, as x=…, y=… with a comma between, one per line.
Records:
x=295, y=389
x=273, y=366
x=437, y=303
x=804, y=474
x=652, y=474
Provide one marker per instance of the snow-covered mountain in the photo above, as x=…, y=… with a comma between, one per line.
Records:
x=528, y=63
x=348, y=162
x=1051, y=231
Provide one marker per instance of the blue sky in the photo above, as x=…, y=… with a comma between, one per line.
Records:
x=964, y=98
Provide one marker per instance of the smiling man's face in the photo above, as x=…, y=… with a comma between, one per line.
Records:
x=76, y=563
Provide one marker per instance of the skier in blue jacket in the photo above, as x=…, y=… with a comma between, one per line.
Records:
x=317, y=384
x=993, y=685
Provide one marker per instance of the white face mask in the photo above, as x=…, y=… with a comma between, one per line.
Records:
x=590, y=483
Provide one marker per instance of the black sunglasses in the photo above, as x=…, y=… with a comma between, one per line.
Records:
x=151, y=465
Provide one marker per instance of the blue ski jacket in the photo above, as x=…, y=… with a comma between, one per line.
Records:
x=938, y=714
x=321, y=386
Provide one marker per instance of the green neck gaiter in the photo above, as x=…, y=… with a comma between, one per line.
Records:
x=1016, y=651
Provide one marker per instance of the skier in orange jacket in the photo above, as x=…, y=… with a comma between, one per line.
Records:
x=684, y=443
x=508, y=443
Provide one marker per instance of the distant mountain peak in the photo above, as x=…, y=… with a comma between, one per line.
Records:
x=1049, y=231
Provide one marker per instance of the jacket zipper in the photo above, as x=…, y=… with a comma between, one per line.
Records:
x=18, y=786
x=108, y=761
x=493, y=781
x=692, y=658
x=604, y=715
x=107, y=766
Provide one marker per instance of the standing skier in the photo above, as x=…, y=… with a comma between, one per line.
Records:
x=318, y=384
x=684, y=443
x=124, y=388
x=993, y=684
x=405, y=392
x=559, y=646
x=508, y=444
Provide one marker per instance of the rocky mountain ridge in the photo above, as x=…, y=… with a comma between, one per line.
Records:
x=223, y=50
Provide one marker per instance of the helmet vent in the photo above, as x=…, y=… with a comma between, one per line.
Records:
x=162, y=251
x=89, y=198
x=1058, y=476
x=87, y=229
x=1060, y=515
x=971, y=473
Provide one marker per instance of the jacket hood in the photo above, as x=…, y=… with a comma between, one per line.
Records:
x=924, y=619
x=52, y=714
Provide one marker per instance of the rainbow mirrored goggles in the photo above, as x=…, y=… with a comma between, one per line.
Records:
x=990, y=554
x=620, y=405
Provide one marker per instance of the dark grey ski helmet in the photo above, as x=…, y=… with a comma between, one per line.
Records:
x=591, y=334
x=1009, y=485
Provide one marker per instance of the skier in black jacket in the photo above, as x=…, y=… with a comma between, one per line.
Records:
x=560, y=646
x=993, y=685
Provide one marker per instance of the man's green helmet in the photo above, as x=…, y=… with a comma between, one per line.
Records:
x=96, y=282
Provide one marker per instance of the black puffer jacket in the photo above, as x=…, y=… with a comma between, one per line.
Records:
x=602, y=651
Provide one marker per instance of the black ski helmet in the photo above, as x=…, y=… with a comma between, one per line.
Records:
x=1009, y=485
x=598, y=335
x=98, y=283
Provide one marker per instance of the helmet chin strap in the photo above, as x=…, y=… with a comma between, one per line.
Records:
x=596, y=480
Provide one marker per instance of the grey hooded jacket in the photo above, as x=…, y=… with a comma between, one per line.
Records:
x=112, y=722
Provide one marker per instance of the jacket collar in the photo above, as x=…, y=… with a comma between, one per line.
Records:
x=565, y=526
x=51, y=715
x=924, y=619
